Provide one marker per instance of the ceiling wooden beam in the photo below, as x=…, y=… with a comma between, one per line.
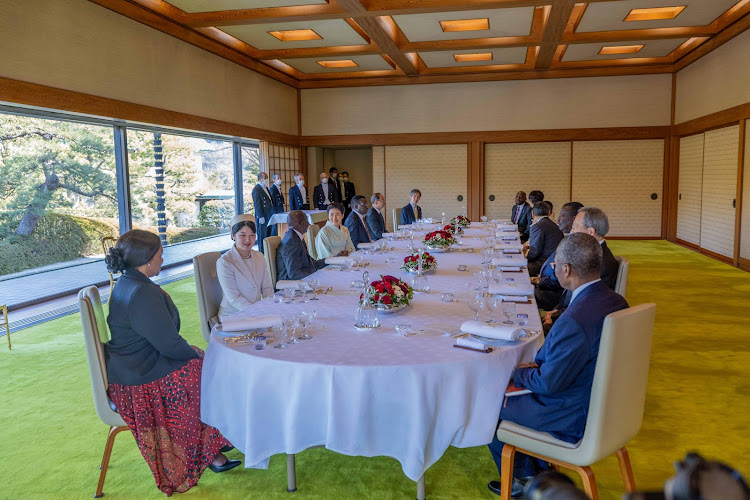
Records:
x=265, y=15
x=342, y=50
x=556, y=23
x=724, y=36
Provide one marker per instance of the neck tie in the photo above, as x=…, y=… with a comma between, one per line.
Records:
x=364, y=223
x=415, y=213
x=518, y=213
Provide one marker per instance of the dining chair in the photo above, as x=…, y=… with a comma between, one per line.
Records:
x=95, y=335
x=621, y=284
x=4, y=309
x=107, y=243
x=270, y=247
x=208, y=290
x=615, y=413
x=312, y=233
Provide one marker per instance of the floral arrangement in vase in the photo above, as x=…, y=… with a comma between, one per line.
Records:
x=411, y=262
x=451, y=228
x=389, y=292
x=462, y=221
x=439, y=239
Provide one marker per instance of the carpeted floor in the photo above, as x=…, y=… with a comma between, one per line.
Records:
x=51, y=441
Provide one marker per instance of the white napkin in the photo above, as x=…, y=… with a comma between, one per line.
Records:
x=509, y=244
x=515, y=259
x=512, y=289
x=504, y=223
x=336, y=261
x=244, y=323
x=499, y=332
x=510, y=268
x=404, y=226
x=471, y=343
x=284, y=284
x=509, y=238
x=521, y=299
x=367, y=245
x=507, y=227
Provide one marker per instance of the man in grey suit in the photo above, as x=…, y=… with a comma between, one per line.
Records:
x=544, y=235
x=374, y=217
x=521, y=214
x=293, y=261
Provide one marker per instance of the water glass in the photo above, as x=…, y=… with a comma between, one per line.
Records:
x=260, y=342
x=491, y=304
x=278, y=297
x=315, y=284
x=404, y=329
x=476, y=304
x=522, y=319
x=291, y=323
x=447, y=297
x=288, y=295
x=279, y=333
x=509, y=309
x=304, y=318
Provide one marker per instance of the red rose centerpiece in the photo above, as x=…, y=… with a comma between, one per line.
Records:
x=462, y=221
x=389, y=293
x=452, y=229
x=439, y=239
x=411, y=263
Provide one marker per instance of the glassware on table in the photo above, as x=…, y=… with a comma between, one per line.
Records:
x=476, y=304
x=366, y=317
x=315, y=284
x=522, y=319
x=404, y=329
x=497, y=275
x=291, y=323
x=484, y=219
x=303, y=287
x=260, y=342
x=304, y=318
x=350, y=263
x=278, y=297
x=491, y=304
x=509, y=309
x=279, y=333
x=288, y=295
x=462, y=267
x=447, y=297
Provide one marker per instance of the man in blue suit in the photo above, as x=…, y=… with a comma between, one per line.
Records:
x=521, y=214
x=411, y=212
x=277, y=200
x=298, y=194
x=293, y=261
x=356, y=223
x=562, y=373
x=374, y=218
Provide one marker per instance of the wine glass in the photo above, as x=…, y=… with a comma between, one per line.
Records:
x=497, y=275
x=279, y=333
x=509, y=309
x=484, y=219
x=350, y=263
x=288, y=295
x=491, y=304
x=304, y=319
x=314, y=285
x=476, y=304
x=291, y=323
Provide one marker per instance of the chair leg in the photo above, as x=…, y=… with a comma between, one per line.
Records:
x=589, y=482
x=291, y=474
x=506, y=475
x=625, y=469
x=113, y=431
x=421, y=493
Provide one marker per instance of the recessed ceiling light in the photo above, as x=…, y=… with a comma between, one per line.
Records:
x=465, y=25
x=654, y=13
x=484, y=56
x=342, y=63
x=622, y=49
x=295, y=35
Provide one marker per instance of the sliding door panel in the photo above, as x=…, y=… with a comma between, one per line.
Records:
x=745, y=234
x=690, y=189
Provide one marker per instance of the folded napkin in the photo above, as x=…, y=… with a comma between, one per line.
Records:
x=512, y=289
x=507, y=227
x=470, y=343
x=512, y=269
x=284, y=284
x=511, y=251
x=521, y=299
x=509, y=238
x=509, y=245
x=513, y=260
x=244, y=323
x=504, y=222
x=498, y=332
x=336, y=261
x=366, y=245
x=405, y=226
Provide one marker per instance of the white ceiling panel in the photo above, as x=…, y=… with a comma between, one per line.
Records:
x=590, y=51
x=215, y=5
x=334, y=32
x=373, y=62
x=444, y=59
x=503, y=22
x=610, y=16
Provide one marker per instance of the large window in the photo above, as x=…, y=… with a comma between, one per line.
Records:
x=250, y=171
x=58, y=192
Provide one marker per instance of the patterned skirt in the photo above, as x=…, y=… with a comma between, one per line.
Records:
x=164, y=417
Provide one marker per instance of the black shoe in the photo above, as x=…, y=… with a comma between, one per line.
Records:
x=227, y=448
x=516, y=490
x=228, y=465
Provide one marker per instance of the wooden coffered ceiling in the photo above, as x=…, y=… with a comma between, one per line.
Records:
x=390, y=42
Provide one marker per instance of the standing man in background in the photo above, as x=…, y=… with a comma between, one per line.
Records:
x=333, y=179
x=263, y=207
x=349, y=192
x=298, y=194
x=277, y=198
x=325, y=193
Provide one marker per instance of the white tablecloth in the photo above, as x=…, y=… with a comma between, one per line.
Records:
x=366, y=393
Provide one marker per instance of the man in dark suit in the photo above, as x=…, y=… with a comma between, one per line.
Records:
x=338, y=184
x=349, y=191
x=521, y=215
x=356, y=224
x=277, y=198
x=411, y=212
x=263, y=207
x=298, y=194
x=544, y=235
x=562, y=373
x=293, y=261
x=374, y=218
x=325, y=193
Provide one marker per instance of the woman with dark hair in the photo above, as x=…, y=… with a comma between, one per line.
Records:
x=242, y=271
x=334, y=239
x=154, y=375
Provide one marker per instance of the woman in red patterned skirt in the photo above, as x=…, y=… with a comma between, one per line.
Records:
x=154, y=375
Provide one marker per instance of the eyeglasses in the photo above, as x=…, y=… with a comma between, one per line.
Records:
x=554, y=265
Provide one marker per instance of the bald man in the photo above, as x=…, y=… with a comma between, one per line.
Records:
x=293, y=261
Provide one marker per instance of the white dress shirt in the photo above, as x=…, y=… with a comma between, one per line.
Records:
x=303, y=192
x=325, y=192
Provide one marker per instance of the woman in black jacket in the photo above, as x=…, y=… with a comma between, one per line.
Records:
x=154, y=375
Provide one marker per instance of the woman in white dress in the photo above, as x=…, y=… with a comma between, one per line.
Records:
x=334, y=239
x=242, y=271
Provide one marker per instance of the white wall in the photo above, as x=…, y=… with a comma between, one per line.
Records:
x=717, y=81
x=77, y=45
x=622, y=101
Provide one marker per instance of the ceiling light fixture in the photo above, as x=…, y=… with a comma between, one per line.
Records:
x=622, y=49
x=465, y=25
x=341, y=63
x=654, y=14
x=484, y=56
x=295, y=35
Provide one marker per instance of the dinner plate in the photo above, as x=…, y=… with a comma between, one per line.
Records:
x=494, y=342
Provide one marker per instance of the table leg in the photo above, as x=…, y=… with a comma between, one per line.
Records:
x=291, y=474
x=421, y=495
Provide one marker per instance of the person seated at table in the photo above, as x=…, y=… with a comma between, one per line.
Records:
x=521, y=214
x=154, y=374
x=562, y=373
x=333, y=239
x=374, y=218
x=242, y=271
x=298, y=194
x=551, y=210
x=356, y=222
x=411, y=212
x=544, y=235
x=293, y=261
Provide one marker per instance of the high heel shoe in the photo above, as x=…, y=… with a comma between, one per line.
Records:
x=227, y=448
x=228, y=465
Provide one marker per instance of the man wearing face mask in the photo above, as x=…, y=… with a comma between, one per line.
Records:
x=278, y=200
x=263, y=207
x=336, y=182
x=325, y=193
x=298, y=194
x=349, y=190
x=356, y=223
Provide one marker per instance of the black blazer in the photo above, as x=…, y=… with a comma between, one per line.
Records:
x=407, y=214
x=349, y=193
x=356, y=230
x=524, y=222
x=263, y=208
x=319, y=197
x=610, y=267
x=277, y=199
x=375, y=223
x=144, y=324
x=544, y=236
x=295, y=199
x=293, y=262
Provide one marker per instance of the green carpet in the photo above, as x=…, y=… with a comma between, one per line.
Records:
x=51, y=441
